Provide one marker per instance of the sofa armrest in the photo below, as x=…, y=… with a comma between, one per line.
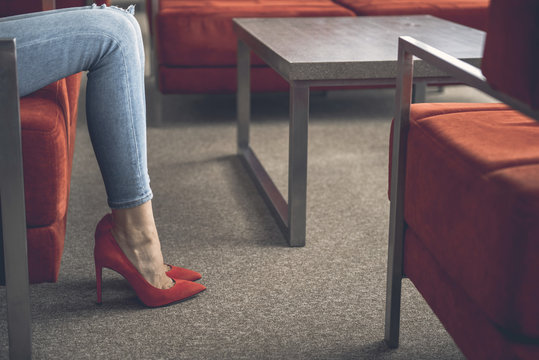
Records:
x=463, y=72
x=12, y=207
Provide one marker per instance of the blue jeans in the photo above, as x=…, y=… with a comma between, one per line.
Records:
x=107, y=42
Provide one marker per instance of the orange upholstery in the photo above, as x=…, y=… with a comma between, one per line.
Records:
x=205, y=27
x=43, y=121
x=471, y=13
x=463, y=318
x=471, y=208
x=48, y=122
x=511, y=58
x=471, y=200
x=479, y=162
x=197, y=46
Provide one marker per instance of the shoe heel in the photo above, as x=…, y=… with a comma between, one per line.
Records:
x=98, y=273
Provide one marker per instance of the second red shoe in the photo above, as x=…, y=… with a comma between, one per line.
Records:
x=183, y=273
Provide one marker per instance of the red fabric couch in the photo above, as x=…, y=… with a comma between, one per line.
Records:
x=471, y=200
x=48, y=124
x=471, y=13
x=196, y=47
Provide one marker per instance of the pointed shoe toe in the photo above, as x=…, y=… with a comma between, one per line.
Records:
x=176, y=272
x=181, y=290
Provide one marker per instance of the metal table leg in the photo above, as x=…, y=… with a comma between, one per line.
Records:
x=419, y=93
x=13, y=209
x=271, y=195
x=297, y=163
x=290, y=217
x=244, y=95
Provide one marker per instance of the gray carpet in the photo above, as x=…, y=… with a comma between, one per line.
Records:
x=264, y=299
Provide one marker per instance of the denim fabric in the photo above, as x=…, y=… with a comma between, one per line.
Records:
x=107, y=42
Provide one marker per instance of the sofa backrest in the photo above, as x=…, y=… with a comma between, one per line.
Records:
x=16, y=7
x=511, y=56
x=71, y=3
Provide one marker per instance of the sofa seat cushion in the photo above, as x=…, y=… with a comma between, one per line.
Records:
x=45, y=248
x=474, y=333
x=473, y=13
x=472, y=196
x=45, y=122
x=199, y=32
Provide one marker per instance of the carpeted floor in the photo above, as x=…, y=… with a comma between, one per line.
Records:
x=264, y=300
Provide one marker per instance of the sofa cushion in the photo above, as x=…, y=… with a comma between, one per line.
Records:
x=471, y=13
x=474, y=333
x=472, y=196
x=45, y=116
x=45, y=247
x=199, y=32
x=512, y=49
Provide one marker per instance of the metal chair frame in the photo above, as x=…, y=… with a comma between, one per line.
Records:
x=12, y=204
x=12, y=208
x=463, y=72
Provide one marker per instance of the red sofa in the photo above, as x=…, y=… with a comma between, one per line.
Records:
x=470, y=210
x=48, y=124
x=471, y=13
x=196, y=47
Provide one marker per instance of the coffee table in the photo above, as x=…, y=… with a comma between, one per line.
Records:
x=332, y=51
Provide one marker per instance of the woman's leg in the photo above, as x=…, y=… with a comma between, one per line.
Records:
x=106, y=42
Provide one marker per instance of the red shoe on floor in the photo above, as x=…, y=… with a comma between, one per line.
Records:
x=174, y=272
x=182, y=273
x=107, y=253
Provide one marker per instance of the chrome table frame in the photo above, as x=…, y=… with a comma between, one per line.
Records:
x=12, y=208
x=291, y=217
x=462, y=72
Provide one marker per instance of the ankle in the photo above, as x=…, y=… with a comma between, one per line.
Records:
x=135, y=227
x=139, y=218
x=135, y=237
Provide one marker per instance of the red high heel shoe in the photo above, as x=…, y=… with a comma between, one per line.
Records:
x=175, y=272
x=107, y=253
